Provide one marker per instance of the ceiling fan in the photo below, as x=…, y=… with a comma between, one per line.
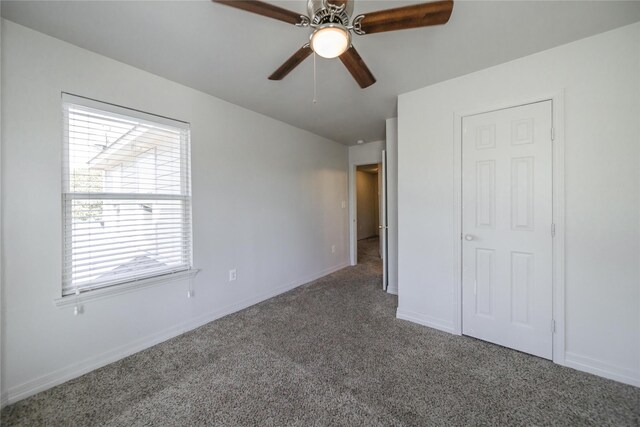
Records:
x=332, y=25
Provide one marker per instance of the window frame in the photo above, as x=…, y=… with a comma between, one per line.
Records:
x=98, y=290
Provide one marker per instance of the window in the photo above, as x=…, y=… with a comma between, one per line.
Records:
x=126, y=195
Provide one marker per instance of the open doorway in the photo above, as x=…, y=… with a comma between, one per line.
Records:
x=368, y=204
x=368, y=213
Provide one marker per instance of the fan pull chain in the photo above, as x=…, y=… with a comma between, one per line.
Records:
x=315, y=100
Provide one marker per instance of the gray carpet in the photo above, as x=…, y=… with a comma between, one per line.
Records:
x=330, y=353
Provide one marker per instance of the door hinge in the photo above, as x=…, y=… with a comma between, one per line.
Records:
x=553, y=134
x=553, y=230
x=553, y=326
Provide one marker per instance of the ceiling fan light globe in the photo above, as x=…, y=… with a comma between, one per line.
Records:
x=330, y=40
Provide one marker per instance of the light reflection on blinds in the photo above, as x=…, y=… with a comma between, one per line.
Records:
x=126, y=195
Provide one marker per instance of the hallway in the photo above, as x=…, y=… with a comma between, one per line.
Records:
x=369, y=251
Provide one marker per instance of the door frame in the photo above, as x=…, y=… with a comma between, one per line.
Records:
x=384, y=220
x=558, y=212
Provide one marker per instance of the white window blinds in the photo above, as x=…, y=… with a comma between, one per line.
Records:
x=126, y=195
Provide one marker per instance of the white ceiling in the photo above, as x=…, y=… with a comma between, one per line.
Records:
x=229, y=53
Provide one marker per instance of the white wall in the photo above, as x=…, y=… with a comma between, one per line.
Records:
x=392, y=204
x=267, y=200
x=366, y=154
x=363, y=154
x=601, y=79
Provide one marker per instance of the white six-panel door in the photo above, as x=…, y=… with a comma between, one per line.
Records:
x=507, y=227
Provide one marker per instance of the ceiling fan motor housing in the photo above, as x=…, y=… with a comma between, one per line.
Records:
x=326, y=11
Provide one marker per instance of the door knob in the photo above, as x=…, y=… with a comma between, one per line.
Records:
x=468, y=237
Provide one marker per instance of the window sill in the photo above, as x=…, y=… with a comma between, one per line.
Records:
x=124, y=288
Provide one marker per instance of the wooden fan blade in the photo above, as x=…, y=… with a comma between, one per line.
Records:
x=358, y=69
x=401, y=18
x=291, y=63
x=264, y=9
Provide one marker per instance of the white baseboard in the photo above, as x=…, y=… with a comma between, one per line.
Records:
x=67, y=373
x=392, y=290
x=571, y=360
x=425, y=320
x=602, y=369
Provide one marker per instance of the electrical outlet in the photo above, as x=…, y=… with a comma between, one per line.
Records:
x=333, y=249
x=232, y=275
x=344, y=204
